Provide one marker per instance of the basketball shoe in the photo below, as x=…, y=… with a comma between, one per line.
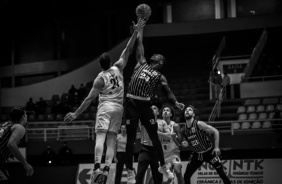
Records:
x=166, y=172
x=96, y=176
x=103, y=179
x=130, y=177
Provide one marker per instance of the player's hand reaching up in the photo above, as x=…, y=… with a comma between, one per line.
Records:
x=139, y=25
x=179, y=105
x=70, y=117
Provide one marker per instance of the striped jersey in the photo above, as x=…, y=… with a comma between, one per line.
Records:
x=144, y=81
x=113, y=91
x=5, y=134
x=197, y=139
x=121, y=143
x=168, y=145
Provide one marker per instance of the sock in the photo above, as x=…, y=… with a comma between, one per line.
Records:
x=96, y=166
x=106, y=168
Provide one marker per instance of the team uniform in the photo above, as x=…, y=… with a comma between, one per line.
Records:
x=110, y=108
x=170, y=149
x=143, y=83
x=202, y=152
x=147, y=158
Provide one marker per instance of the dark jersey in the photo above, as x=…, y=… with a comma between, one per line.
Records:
x=144, y=81
x=196, y=138
x=5, y=133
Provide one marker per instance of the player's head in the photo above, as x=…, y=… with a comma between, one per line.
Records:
x=105, y=61
x=18, y=115
x=189, y=112
x=155, y=109
x=167, y=111
x=157, y=60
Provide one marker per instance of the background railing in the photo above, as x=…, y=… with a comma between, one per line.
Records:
x=85, y=132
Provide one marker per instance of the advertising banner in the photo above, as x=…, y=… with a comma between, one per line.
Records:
x=247, y=171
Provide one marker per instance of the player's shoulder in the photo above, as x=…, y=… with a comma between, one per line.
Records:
x=160, y=122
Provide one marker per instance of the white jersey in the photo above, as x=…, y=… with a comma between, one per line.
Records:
x=168, y=145
x=113, y=91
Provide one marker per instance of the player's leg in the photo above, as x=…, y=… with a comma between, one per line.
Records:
x=217, y=165
x=143, y=164
x=149, y=122
x=192, y=166
x=154, y=165
x=101, y=127
x=132, y=120
x=177, y=166
x=121, y=157
x=98, y=151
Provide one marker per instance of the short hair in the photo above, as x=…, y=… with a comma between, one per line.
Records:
x=157, y=58
x=16, y=114
x=171, y=110
x=105, y=61
x=191, y=106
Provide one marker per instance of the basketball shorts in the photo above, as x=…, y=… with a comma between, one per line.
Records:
x=109, y=117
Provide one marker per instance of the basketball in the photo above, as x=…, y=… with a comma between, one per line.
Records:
x=143, y=11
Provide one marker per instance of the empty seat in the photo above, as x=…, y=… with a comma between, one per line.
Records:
x=241, y=109
x=242, y=117
x=86, y=116
x=251, y=109
x=269, y=108
x=270, y=115
x=262, y=115
x=41, y=117
x=31, y=117
x=245, y=125
x=256, y=124
x=266, y=124
x=279, y=107
x=253, y=116
x=59, y=117
x=260, y=108
x=50, y=117
x=252, y=102
x=236, y=125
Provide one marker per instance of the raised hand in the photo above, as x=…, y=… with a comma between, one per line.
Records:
x=139, y=25
x=179, y=105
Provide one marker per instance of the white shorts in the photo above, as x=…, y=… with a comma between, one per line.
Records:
x=109, y=117
x=172, y=158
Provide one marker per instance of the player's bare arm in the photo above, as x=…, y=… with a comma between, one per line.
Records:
x=98, y=84
x=121, y=63
x=18, y=132
x=211, y=130
x=163, y=130
x=178, y=136
x=170, y=95
x=140, y=50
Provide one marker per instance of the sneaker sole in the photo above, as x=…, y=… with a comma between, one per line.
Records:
x=103, y=179
x=98, y=178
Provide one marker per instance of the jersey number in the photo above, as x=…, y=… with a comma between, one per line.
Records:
x=114, y=82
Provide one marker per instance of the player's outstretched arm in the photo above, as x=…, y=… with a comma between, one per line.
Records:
x=121, y=63
x=140, y=50
x=98, y=84
x=170, y=94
